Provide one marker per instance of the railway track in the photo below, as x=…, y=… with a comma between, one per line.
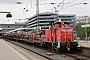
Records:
x=77, y=56
x=74, y=56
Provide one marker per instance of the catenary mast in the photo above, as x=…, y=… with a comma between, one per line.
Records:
x=37, y=14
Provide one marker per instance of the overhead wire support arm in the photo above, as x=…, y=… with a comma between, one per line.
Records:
x=4, y=12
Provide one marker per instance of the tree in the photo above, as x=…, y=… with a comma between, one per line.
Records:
x=80, y=31
x=88, y=30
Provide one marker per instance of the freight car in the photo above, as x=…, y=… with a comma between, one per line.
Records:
x=60, y=36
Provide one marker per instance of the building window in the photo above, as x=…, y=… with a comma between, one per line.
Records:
x=8, y=26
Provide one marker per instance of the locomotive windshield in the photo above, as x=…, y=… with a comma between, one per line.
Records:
x=65, y=25
x=57, y=25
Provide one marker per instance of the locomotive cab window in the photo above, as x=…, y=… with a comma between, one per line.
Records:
x=65, y=25
x=57, y=25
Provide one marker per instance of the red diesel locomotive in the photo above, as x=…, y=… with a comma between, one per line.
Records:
x=60, y=35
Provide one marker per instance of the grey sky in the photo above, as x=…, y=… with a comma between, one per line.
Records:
x=18, y=11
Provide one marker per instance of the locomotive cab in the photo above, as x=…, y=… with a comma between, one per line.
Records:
x=62, y=36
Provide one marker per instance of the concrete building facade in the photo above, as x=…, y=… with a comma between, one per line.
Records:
x=47, y=17
x=82, y=19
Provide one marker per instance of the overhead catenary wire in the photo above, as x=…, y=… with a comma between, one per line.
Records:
x=70, y=5
x=13, y=5
x=34, y=5
x=29, y=9
x=25, y=11
x=62, y=4
x=4, y=21
x=19, y=8
x=16, y=6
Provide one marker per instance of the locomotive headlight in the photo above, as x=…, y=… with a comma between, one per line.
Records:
x=69, y=38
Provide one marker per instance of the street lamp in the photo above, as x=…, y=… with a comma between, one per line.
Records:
x=85, y=3
x=8, y=15
x=18, y=2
